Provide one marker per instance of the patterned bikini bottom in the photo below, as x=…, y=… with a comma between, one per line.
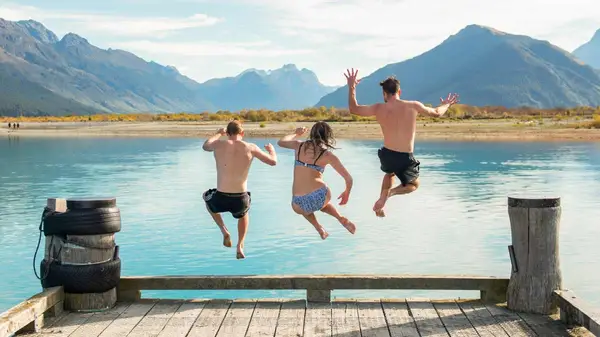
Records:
x=312, y=201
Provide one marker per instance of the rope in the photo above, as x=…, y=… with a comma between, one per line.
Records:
x=44, y=214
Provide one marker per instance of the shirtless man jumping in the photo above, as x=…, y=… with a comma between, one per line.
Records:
x=233, y=157
x=398, y=121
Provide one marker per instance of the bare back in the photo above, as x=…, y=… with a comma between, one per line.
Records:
x=233, y=158
x=398, y=121
x=308, y=179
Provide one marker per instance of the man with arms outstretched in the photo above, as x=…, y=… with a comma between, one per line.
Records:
x=398, y=121
x=233, y=157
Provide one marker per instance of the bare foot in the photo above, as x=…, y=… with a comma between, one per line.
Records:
x=348, y=225
x=226, y=240
x=378, y=207
x=240, y=253
x=323, y=233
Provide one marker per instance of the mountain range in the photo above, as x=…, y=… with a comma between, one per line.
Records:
x=590, y=51
x=486, y=67
x=279, y=89
x=42, y=74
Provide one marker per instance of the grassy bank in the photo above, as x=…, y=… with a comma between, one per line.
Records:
x=469, y=116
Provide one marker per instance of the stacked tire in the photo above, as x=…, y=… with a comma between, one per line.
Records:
x=81, y=254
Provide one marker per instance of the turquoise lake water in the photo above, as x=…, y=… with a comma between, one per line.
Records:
x=456, y=223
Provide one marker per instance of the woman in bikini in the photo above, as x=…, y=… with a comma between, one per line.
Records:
x=310, y=192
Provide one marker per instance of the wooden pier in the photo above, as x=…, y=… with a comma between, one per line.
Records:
x=42, y=315
x=531, y=302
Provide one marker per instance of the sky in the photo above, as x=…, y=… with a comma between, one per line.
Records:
x=205, y=39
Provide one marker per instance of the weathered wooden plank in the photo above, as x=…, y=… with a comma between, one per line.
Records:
x=372, y=319
x=46, y=321
x=182, y=321
x=426, y=318
x=128, y=319
x=156, y=319
x=455, y=321
x=65, y=326
x=271, y=282
x=345, y=319
x=574, y=311
x=264, y=319
x=579, y=331
x=481, y=319
x=94, y=326
x=59, y=314
x=238, y=318
x=19, y=316
x=210, y=319
x=510, y=321
x=318, y=320
x=400, y=322
x=545, y=326
x=291, y=319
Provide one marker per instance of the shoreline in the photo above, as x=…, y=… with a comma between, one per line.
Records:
x=472, y=130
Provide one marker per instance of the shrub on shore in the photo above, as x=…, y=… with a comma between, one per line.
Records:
x=456, y=113
x=593, y=124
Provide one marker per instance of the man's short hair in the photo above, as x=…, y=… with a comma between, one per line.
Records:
x=390, y=85
x=234, y=128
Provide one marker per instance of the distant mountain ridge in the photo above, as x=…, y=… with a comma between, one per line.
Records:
x=42, y=74
x=71, y=76
x=486, y=67
x=589, y=52
x=285, y=88
x=100, y=80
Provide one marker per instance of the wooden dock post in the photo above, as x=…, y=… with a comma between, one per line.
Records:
x=534, y=255
x=81, y=251
x=322, y=296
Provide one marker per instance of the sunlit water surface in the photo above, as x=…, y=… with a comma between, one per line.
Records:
x=456, y=223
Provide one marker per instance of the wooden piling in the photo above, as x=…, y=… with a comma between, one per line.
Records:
x=81, y=250
x=534, y=253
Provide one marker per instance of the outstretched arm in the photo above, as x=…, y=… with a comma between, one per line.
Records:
x=353, y=106
x=209, y=144
x=290, y=141
x=337, y=165
x=440, y=110
x=269, y=158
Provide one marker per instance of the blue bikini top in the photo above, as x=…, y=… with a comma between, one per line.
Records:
x=312, y=166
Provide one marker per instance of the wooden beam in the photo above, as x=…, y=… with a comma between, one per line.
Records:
x=314, y=282
x=575, y=312
x=31, y=310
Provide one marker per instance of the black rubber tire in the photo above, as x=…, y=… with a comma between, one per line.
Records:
x=91, y=203
x=83, y=222
x=78, y=279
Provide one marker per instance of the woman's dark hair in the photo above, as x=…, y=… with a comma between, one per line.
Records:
x=321, y=137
